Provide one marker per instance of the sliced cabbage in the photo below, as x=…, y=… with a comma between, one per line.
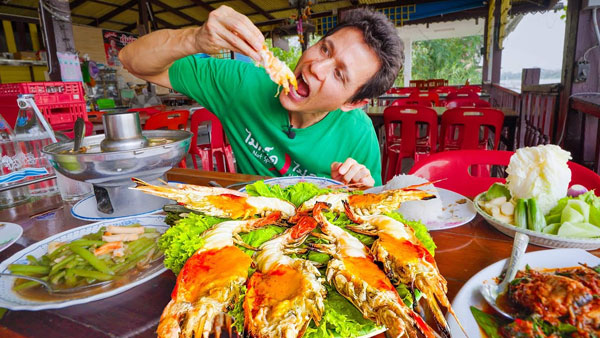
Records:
x=586, y=230
x=539, y=172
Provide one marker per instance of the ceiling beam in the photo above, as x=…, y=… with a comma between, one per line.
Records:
x=76, y=4
x=106, y=3
x=72, y=14
x=164, y=22
x=177, y=12
x=130, y=27
x=204, y=5
x=258, y=9
x=115, y=11
x=19, y=18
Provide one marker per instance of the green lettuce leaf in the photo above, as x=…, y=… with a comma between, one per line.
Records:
x=237, y=313
x=295, y=194
x=179, y=242
x=340, y=319
x=257, y=237
x=303, y=191
x=260, y=188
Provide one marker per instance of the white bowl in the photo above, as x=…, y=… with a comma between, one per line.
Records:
x=538, y=238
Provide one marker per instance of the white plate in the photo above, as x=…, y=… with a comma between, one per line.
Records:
x=469, y=294
x=374, y=333
x=9, y=233
x=283, y=182
x=538, y=238
x=11, y=300
x=87, y=210
x=454, y=214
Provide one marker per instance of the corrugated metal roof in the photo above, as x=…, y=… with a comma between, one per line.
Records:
x=267, y=14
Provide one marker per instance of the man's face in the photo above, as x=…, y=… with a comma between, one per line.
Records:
x=330, y=72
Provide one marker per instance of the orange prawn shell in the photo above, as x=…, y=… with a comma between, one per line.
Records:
x=274, y=289
x=210, y=269
x=404, y=250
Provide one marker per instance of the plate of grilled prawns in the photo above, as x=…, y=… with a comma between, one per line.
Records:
x=554, y=294
x=284, y=293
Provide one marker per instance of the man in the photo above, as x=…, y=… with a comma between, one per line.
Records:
x=317, y=129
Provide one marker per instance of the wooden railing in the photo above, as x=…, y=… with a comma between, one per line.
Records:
x=537, y=106
x=589, y=106
x=505, y=98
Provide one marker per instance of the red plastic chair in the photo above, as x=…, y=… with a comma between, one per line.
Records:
x=431, y=96
x=467, y=103
x=173, y=120
x=409, y=143
x=420, y=84
x=444, y=90
x=467, y=123
x=216, y=149
x=149, y=110
x=409, y=101
x=402, y=90
x=462, y=94
x=453, y=168
x=475, y=89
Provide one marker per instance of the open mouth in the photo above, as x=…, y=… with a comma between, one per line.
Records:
x=303, y=89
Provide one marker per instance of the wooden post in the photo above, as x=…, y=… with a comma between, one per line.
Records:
x=58, y=33
x=496, y=51
x=143, y=17
x=570, y=124
x=530, y=76
x=407, y=69
x=484, y=70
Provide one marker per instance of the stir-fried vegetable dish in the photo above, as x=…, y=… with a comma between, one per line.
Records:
x=105, y=255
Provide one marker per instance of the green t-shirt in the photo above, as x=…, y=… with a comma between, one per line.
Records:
x=243, y=97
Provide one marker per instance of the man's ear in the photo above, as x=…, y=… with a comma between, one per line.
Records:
x=353, y=105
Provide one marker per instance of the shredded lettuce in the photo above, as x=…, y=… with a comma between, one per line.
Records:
x=179, y=242
x=296, y=194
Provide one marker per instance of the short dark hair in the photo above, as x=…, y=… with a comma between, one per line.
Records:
x=381, y=36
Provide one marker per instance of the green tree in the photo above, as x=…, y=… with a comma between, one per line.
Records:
x=456, y=59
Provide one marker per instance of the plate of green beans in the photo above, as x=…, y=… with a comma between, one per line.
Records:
x=87, y=255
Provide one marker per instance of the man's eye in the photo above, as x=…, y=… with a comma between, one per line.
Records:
x=338, y=74
x=324, y=49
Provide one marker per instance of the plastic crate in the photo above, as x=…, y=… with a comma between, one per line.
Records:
x=60, y=102
x=45, y=92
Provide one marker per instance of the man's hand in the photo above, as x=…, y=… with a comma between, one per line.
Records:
x=228, y=29
x=351, y=172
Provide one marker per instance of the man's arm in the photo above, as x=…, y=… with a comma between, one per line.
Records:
x=150, y=56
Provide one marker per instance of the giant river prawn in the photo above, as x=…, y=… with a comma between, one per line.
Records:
x=286, y=293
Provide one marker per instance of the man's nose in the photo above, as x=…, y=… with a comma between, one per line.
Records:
x=320, y=68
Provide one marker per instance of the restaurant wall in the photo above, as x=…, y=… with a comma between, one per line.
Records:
x=88, y=40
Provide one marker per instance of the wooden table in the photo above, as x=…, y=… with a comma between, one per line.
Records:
x=461, y=253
